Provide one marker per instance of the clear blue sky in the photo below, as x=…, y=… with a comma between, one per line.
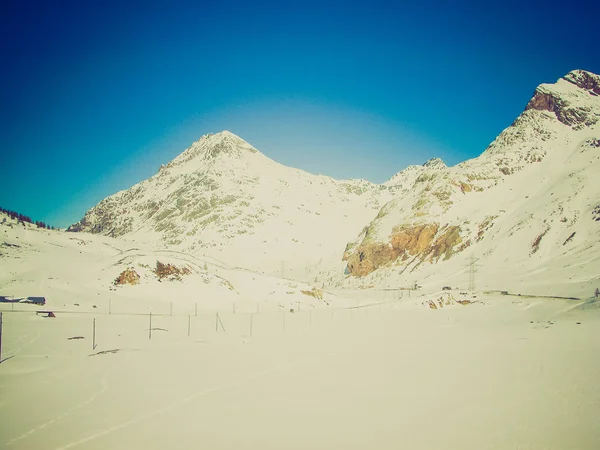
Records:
x=95, y=95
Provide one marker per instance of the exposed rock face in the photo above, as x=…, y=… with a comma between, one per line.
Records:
x=170, y=271
x=544, y=102
x=564, y=111
x=584, y=80
x=423, y=242
x=445, y=299
x=564, y=104
x=314, y=292
x=128, y=276
x=435, y=163
x=413, y=240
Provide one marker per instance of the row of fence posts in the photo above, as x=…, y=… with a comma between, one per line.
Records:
x=195, y=308
x=395, y=296
x=218, y=325
x=218, y=322
x=234, y=306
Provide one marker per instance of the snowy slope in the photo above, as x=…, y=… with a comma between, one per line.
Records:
x=529, y=201
x=223, y=198
x=77, y=271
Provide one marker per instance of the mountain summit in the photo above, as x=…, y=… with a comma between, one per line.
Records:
x=213, y=146
x=573, y=99
x=223, y=198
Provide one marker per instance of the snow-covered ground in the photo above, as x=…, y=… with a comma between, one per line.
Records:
x=360, y=368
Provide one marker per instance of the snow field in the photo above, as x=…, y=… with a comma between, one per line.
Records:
x=502, y=373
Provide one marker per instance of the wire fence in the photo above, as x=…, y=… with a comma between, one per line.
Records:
x=31, y=330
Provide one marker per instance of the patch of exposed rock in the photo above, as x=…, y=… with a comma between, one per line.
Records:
x=445, y=299
x=314, y=292
x=549, y=101
x=546, y=98
x=422, y=242
x=170, y=271
x=585, y=80
x=128, y=276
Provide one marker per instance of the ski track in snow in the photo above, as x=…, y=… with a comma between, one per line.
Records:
x=76, y=408
x=186, y=400
x=18, y=349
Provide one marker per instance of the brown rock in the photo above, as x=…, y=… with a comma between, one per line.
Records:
x=422, y=241
x=464, y=187
x=128, y=276
x=583, y=79
x=169, y=270
x=445, y=243
x=571, y=115
x=314, y=292
x=413, y=240
x=543, y=101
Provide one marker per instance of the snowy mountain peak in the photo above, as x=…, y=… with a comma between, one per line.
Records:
x=435, y=163
x=222, y=194
x=574, y=99
x=585, y=80
x=212, y=147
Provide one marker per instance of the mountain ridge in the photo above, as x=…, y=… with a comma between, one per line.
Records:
x=224, y=198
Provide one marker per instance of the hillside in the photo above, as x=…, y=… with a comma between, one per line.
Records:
x=223, y=198
x=527, y=204
x=530, y=202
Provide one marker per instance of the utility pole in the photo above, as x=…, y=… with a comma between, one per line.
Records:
x=0, y=337
x=473, y=268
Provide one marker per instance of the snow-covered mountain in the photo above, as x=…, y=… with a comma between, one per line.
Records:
x=223, y=198
x=531, y=197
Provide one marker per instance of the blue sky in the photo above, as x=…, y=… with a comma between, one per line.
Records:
x=95, y=95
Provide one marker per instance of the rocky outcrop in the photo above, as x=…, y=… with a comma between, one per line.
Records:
x=128, y=276
x=423, y=243
x=435, y=163
x=584, y=80
x=564, y=103
x=170, y=271
x=314, y=292
x=544, y=101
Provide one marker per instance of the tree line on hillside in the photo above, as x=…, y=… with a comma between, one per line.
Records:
x=22, y=218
